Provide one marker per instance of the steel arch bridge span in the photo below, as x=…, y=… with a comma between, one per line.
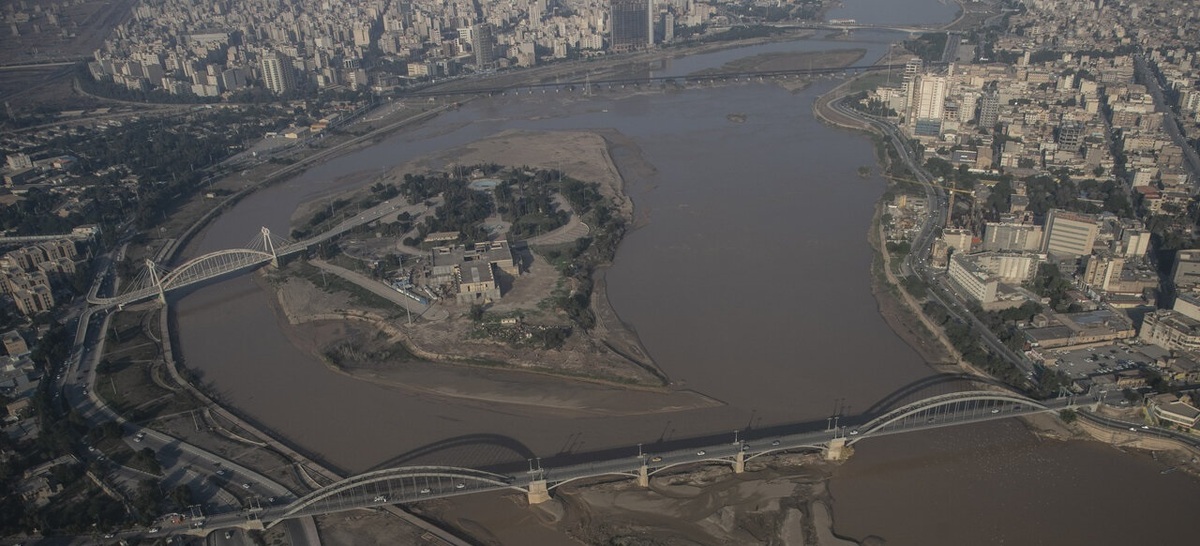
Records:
x=399, y=485
x=213, y=264
x=990, y=399
x=198, y=269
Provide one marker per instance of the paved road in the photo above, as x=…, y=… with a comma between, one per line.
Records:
x=1170, y=123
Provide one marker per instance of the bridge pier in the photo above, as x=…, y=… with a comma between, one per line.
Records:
x=836, y=451
x=538, y=493
x=739, y=462
x=643, y=477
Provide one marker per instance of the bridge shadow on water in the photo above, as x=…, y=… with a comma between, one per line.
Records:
x=469, y=451
x=505, y=455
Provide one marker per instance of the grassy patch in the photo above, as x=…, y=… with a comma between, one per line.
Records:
x=124, y=377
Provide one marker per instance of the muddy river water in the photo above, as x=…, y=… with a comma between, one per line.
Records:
x=748, y=281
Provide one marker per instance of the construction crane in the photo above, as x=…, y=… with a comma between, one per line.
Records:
x=950, y=202
x=949, y=189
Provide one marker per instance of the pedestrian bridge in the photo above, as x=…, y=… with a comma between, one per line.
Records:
x=155, y=280
x=417, y=483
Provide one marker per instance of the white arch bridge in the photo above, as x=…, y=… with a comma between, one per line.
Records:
x=155, y=280
x=416, y=483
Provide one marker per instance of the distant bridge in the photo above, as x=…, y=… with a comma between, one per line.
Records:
x=74, y=236
x=850, y=24
x=417, y=483
x=155, y=280
x=589, y=85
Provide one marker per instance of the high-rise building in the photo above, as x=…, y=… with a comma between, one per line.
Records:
x=536, y=10
x=912, y=69
x=278, y=74
x=989, y=110
x=1068, y=234
x=631, y=24
x=484, y=45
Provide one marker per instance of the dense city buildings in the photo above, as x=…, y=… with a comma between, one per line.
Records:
x=182, y=48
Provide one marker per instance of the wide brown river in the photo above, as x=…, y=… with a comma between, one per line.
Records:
x=749, y=282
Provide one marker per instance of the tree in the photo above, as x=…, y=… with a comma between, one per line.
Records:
x=147, y=460
x=476, y=312
x=182, y=496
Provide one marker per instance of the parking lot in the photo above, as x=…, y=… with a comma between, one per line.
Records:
x=1104, y=359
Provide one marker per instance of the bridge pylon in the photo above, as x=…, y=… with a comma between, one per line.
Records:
x=269, y=245
x=643, y=477
x=156, y=281
x=739, y=462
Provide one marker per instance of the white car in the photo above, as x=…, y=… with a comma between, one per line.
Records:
x=380, y=498
x=702, y=453
x=425, y=491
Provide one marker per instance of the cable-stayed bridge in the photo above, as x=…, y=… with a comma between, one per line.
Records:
x=156, y=280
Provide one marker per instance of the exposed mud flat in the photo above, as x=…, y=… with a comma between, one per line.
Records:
x=782, y=500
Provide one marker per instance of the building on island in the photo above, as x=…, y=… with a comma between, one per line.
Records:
x=470, y=273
